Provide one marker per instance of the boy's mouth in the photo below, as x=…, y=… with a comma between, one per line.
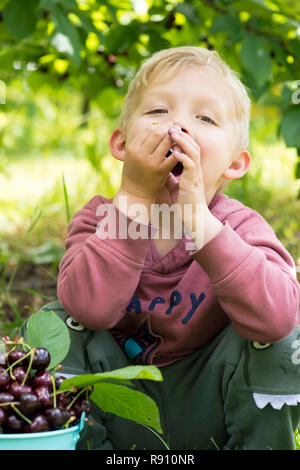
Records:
x=178, y=168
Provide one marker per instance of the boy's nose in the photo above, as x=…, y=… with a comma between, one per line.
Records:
x=182, y=128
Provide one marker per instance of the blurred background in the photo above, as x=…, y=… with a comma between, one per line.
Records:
x=65, y=66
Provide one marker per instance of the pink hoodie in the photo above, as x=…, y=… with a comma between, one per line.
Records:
x=161, y=309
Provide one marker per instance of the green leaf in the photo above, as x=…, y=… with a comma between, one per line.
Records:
x=256, y=59
x=47, y=4
x=47, y=330
x=20, y=18
x=290, y=127
x=66, y=38
x=88, y=25
x=189, y=11
x=229, y=24
x=127, y=403
x=156, y=40
x=126, y=373
x=297, y=170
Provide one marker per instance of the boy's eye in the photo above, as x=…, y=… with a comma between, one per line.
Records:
x=157, y=111
x=205, y=118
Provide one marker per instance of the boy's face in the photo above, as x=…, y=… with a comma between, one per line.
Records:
x=201, y=102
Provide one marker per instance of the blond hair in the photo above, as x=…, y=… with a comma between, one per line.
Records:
x=165, y=63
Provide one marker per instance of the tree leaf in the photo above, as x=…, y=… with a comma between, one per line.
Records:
x=189, y=11
x=19, y=20
x=256, y=59
x=47, y=330
x=228, y=24
x=290, y=127
x=66, y=38
x=127, y=403
x=126, y=373
x=297, y=170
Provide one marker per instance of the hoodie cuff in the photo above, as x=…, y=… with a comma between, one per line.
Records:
x=223, y=255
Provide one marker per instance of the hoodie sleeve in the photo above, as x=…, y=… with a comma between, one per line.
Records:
x=253, y=277
x=98, y=273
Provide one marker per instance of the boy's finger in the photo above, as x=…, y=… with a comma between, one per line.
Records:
x=163, y=150
x=187, y=144
x=169, y=163
x=186, y=161
x=154, y=138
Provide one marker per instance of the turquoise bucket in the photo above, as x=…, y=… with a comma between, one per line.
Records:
x=63, y=439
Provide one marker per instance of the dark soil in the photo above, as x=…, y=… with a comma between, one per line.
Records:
x=33, y=286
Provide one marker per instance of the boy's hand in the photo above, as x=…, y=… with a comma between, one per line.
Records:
x=146, y=168
x=191, y=184
x=194, y=213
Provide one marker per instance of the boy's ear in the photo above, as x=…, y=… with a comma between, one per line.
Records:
x=238, y=167
x=117, y=144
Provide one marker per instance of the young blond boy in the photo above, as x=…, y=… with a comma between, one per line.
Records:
x=215, y=304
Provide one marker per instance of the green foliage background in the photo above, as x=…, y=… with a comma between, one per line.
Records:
x=96, y=46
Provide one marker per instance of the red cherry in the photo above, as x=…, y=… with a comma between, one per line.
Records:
x=19, y=373
x=4, y=378
x=38, y=424
x=44, y=396
x=42, y=378
x=17, y=389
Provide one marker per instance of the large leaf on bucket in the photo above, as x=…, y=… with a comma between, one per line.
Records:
x=127, y=403
x=47, y=330
x=116, y=375
x=119, y=399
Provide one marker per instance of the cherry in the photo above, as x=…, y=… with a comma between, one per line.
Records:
x=15, y=355
x=44, y=396
x=6, y=397
x=31, y=390
x=29, y=403
x=38, y=424
x=63, y=399
x=43, y=378
x=17, y=389
x=70, y=412
x=41, y=358
x=57, y=417
x=3, y=416
x=4, y=378
x=14, y=423
x=59, y=380
x=19, y=373
x=80, y=406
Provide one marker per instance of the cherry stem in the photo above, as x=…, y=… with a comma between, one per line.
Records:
x=75, y=398
x=21, y=414
x=18, y=360
x=54, y=391
x=58, y=392
x=67, y=423
x=15, y=343
x=10, y=403
x=31, y=352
